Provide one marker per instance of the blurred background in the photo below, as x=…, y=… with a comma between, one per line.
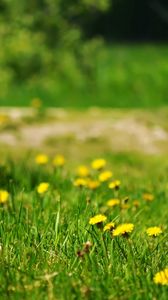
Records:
x=81, y=53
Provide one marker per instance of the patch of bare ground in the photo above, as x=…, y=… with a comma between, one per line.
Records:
x=118, y=130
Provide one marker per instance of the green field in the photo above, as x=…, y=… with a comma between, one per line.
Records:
x=43, y=237
x=120, y=76
x=48, y=248
x=83, y=150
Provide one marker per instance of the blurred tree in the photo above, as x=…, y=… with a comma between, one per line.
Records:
x=39, y=35
x=48, y=41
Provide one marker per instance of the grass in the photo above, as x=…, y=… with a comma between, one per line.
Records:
x=124, y=76
x=43, y=237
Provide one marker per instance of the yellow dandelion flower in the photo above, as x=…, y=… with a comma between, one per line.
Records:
x=123, y=229
x=109, y=226
x=104, y=176
x=41, y=159
x=83, y=171
x=97, y=219
x=98, y=164
x=43, y=187
x=136, y=203
x=148, y=197
x=161, y=277
x=59, y=160
x=113, y=202
x=154, y=231
x=125, y=206
x=114, y=184
x=4, y=119
x=36, y=103
x=4, y=195
x=80, y=182
x=93, y=184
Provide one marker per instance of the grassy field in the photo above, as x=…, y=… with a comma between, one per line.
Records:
x=48, y=249
x=122, y=76
x=49, y=246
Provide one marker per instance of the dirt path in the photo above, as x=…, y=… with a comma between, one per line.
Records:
x=120, y=130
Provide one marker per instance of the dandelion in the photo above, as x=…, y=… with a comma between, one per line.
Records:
x=43, y=187
x=41, y=159
x=59, y=160
x=123, y=229
x=83, y=171
x=93, y=184
x=125, y=206
x=154, y=231
x=97, y=219
x=114, y=184
x=161, y=277
x=80, y=182
x=87, y=246
x=109, y=226
x=136, y=203
x=4, y=119
x=98, y=164
x=86, y=249
x=4, y=195
x=148, y=197
x=36, y=103
x=105, y=176
x=113, y=202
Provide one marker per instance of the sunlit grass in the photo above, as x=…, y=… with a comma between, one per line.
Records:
x=48, y=249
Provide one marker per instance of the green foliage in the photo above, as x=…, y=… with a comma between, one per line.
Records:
x=44, y=39
x=46, y=54
x=116, y=76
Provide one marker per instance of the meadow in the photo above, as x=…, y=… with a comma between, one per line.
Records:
x=83, y=150
x=116, y=76
x=83, y=193
x=60, y=216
